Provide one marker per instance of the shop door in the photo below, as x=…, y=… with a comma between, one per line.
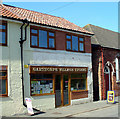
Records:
x=61, y=90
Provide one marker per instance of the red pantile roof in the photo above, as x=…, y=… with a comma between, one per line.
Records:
x=37, y=17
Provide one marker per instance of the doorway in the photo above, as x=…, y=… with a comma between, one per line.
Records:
x=108, y=82
x=62, y=90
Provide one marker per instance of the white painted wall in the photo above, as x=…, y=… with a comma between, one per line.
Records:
x=32, y=56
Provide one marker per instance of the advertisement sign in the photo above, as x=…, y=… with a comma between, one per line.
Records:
x=110, y=96
x=29, y=105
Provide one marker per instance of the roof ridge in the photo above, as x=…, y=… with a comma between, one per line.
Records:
x=31, y=10
x=93, y=32
x=103, y=28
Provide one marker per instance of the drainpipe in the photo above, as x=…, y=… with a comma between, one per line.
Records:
x=102, y=71
x=21, y=45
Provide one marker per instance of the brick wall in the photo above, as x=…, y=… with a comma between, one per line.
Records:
x=61, y=42
x=87, y=45
x=108, y=55
x=78, y=95
x=96, y=54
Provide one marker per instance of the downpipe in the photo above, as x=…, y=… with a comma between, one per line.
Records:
x=21, y=45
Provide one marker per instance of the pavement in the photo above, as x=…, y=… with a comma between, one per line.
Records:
x=91, y=109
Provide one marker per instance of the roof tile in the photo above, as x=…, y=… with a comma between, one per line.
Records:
x=36, y=17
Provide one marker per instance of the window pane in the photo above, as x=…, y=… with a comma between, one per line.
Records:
x=2, y=27
x=78, y=84
x=119, y=63
x=2, y=37
x=82, y=75
x=51, y=34
x=34, y=40
x=68, y=45
x=81, y=47
x=68, y=37
x=34, y=31
x=2, y=86
x=3, y=73
x=43, y=38
x=41, y=87
x=4, y=67
x=81, y=39
x=51, y=43
x=74, y=43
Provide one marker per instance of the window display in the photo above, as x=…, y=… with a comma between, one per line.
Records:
x=78, y=82
x=41, y=84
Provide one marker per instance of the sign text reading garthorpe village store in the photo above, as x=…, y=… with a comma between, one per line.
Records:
x=58, y=69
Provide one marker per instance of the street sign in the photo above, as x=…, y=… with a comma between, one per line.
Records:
x=29, y=105
x=111, y=96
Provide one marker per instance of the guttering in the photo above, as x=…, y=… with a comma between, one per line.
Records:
x=51, y=27
x=21, y=45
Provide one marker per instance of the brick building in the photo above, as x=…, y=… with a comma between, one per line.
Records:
x=105, y=61
x=45, y=58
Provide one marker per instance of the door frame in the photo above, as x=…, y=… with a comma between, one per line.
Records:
x=62, y=95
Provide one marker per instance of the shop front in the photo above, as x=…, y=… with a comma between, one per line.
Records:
x=66, y=83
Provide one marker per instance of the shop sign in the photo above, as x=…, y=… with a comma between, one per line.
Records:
x=57, y=69
x=29, y=105
x=110, y=96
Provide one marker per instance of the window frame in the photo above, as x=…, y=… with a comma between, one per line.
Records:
x=4, y=78
x=79, y=79
x=53, y=80
x=4, y=30
x=78, y=42
x=43, y=29
x=119, y=68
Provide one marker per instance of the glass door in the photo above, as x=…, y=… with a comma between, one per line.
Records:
x=65, y=90
x=58, y=101
x=61, y=90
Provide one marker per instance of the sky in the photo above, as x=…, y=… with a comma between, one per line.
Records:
x=103, y=14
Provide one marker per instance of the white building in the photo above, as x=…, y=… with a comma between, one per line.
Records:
x=57, y=68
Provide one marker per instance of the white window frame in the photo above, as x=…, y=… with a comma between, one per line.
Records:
x=117, y=70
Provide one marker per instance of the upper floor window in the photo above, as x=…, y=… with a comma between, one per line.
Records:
x=3, y=81
x=3, y=33
x=75, y=43
x=42, y=38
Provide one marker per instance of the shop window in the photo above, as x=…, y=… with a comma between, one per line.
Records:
x=78, y=82
x=3, y=33
x=3, y=81
x=75, y=43
x=42, y=38
x=42, y=84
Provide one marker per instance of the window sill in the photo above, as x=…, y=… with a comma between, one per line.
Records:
x=78, y=90
x=75, y=51
x=43, y=94
x=1, y=96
